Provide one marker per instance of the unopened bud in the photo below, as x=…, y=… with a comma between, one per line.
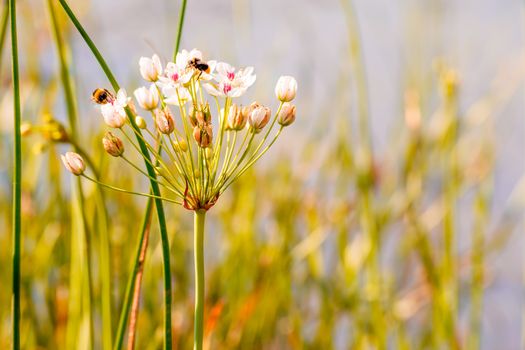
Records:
x=203, y=135
x=113, y=145
x=236, y=119
x=286, y=88
x=209, y=153
x=180, y=146
x=141, y=123
x=26, y=128
x=258, y=118
x=73, y=163
x=164, y=121
x=286, y=115
x=160, y=171
x=247, y=110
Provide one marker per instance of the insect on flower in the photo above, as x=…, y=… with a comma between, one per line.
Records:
x=102, y=96
x=199, y=64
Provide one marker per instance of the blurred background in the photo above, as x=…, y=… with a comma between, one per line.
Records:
x=388, y=215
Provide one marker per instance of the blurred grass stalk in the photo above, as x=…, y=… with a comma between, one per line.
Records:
x=4, y=20
x=366, y=183
x=17, y=186
x=481, y=219
x=101, y=222
x=151, y=172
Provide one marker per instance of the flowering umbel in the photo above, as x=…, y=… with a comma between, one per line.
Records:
x=197, y=157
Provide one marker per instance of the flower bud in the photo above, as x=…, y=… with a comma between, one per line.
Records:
x=150, y=68
x=180, y=146
x=164, y=121
x=236, y=119
x=286, y=88
x=192, y=117
x=203, y=134
x=26, y=128
x=73, y=163
x=209, y=153
x=114, y=115
x=160, y=171
x=248, y=109
x=113, y=145
x=147, y=98
x=286, y=115
x=141, y=123
x=258, y=118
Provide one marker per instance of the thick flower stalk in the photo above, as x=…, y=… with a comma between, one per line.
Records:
x=200, y=139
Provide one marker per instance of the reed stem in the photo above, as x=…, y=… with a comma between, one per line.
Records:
x=17, y=189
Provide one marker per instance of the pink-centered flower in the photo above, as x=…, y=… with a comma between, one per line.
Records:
x=229, y=82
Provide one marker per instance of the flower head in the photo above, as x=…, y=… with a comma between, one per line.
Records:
x=230, y=83
x=147, y=98
x=73, y=163
x=286, y=88
x=150, y=68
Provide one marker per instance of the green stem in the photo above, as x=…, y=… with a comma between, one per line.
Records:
x=182, y=14
x=3, y=28
x=199, y=218
x=17, y=219
x=154, y=186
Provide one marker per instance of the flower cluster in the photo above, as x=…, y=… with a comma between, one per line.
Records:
x=197, y=153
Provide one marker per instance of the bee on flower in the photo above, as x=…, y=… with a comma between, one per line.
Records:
x=112, y=109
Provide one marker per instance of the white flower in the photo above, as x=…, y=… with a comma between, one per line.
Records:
x=150, y=68
x=113, y=111
x=73, y=163
x=172, y=83
x=147, y=98
x=286, y=88
x=175, y=75
x=229, y=82
x=176, y=96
